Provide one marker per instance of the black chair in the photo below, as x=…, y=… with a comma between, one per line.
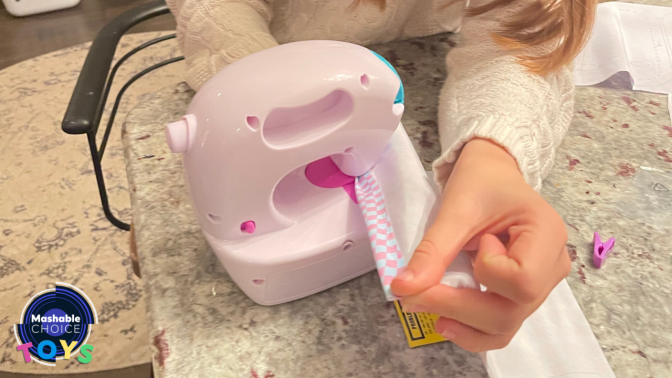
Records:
x=95, y=80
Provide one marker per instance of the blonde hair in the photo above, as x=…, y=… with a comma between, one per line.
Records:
x=565, y=24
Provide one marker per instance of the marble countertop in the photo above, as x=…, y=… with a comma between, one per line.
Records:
x=612, y=175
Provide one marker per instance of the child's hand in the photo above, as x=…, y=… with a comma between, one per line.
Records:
x=486, y=196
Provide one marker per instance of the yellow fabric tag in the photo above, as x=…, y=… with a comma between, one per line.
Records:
x=418, y=327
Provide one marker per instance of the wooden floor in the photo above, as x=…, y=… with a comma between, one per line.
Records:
x=26, y=37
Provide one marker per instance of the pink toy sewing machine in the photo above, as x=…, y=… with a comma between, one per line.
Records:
x=265, y=143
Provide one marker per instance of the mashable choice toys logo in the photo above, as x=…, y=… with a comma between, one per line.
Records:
x=55, y=325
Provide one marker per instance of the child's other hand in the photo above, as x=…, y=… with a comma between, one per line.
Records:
x=519, y=242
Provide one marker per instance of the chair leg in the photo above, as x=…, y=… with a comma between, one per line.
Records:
x=98, y=169
x=134, y=252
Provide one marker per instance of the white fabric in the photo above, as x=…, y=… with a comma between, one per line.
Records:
x=556, y=341
x=487, y=94
x=411, y=200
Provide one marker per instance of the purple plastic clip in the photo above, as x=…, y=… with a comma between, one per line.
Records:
x=601, y=250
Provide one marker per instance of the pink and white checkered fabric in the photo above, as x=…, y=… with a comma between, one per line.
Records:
x=389, y=259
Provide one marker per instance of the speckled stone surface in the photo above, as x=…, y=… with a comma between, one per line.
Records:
x=201, y=324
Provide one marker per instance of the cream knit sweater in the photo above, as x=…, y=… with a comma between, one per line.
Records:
x=487, y=93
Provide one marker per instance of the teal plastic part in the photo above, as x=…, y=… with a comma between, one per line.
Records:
x=400, y=95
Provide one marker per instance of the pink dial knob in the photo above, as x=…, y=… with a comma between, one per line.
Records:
x=181, y=134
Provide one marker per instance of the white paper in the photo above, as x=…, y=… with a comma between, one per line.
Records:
x=556, y=341
x=629, y=37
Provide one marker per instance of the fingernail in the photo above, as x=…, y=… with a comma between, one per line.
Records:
x=405, y=275
x=448, y=335
x=412, y=307
x=442, y=329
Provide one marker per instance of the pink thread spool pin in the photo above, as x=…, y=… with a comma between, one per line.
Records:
x=601, y=250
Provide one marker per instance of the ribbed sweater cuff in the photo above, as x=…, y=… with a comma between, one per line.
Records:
x=506, y=132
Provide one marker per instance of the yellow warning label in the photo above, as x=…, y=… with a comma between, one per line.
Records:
x=418, y=327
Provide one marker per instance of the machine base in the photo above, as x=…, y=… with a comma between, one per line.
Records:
x=269, y=285
x=325, y=248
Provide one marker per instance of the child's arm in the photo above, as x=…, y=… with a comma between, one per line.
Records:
x=499, y=126
x=488, y=94
x=215, y=33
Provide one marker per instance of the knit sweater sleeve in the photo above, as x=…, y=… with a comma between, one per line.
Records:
x=215, y=33
x=489, y=95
